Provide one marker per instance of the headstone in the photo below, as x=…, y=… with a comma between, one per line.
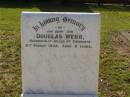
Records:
x=60, y=54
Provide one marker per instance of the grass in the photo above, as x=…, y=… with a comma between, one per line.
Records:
x=114, y=74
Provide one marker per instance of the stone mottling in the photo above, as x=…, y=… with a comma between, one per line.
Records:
x=64, y=58
x=41, y=95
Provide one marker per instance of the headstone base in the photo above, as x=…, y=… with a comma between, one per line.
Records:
x=55, y=95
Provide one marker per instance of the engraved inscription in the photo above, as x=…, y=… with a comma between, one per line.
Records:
x=58, y=37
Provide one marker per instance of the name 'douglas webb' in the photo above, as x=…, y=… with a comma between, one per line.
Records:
x=45, y=22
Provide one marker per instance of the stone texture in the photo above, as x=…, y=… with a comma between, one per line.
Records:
x=41, y=95
x=62, y=55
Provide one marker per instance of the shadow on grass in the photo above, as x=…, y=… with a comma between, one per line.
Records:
x=48, y=6
x=114, y=8
x=64, y=7
x=15, y=4
x=52, y=6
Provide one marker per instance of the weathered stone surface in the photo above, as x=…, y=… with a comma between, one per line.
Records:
x=60, y=52
x=43, y=95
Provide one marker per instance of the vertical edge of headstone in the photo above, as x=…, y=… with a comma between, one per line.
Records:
x=21, y=29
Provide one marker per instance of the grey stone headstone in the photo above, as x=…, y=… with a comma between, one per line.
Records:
x=60, y=54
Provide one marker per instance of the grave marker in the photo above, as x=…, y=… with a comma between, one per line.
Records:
x=60, y=54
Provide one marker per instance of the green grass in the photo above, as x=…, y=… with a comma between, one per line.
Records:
x=114, y=78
